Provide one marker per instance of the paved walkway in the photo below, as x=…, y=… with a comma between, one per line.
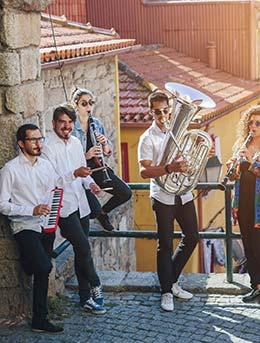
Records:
x=136, y=317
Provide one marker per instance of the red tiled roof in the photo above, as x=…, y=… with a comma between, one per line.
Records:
x=162, y=65
x=74, y=39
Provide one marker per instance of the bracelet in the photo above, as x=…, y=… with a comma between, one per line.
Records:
x=166, y=168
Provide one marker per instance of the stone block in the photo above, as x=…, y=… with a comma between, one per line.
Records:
x=8, y=250
x=26, y=98
x=11, y=274
x=5, y=230
x=9, y=69
x=9, y=125
x=30, y=64
x=27, y=5
x=15, y=302
x=15, y=29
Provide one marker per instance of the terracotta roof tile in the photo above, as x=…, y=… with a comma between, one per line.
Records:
x=75, y=40
x=157, y=66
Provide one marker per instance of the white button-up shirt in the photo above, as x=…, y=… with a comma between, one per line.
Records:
x=65, y=159
x=23, y=186
x=150, y=149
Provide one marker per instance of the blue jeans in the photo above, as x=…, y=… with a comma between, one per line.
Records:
x=169, y=264
x=76, y=230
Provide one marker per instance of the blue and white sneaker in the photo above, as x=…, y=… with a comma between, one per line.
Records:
x=91, y=306
x=97, y=295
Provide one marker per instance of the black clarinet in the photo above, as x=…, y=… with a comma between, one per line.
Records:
x=98, y=160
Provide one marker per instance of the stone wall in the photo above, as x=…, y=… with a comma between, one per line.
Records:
x=98, y=75
x=21, y=100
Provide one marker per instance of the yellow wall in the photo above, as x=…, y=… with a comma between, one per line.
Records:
x=225, y=128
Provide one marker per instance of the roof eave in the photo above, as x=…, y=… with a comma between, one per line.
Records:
x=56, y=63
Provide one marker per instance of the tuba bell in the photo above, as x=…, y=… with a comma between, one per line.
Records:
x=193, y=145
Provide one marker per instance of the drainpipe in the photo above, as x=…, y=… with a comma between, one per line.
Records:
x=212, y=54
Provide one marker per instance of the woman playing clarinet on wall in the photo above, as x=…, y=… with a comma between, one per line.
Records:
x=244, y=168
x=91, y=133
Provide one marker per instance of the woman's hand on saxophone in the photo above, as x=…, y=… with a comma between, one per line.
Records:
x=246, y=154
x=233, y=169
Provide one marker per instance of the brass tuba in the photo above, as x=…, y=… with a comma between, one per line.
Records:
x=193, y=145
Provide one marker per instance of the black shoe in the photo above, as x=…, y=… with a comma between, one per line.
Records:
x=104, y=221
x=46, y=326
x=252, y=297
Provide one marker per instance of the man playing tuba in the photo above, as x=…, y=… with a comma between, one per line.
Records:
x=167, y=207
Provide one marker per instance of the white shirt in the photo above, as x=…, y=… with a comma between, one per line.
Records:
x=23, y=186
x=150, y=149
x=65, y=159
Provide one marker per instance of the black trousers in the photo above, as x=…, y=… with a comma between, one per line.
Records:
x=94, y=204
x=35, y=250
x=169, y=264
x=121, y=191
x=246, y=218
x=76, y=230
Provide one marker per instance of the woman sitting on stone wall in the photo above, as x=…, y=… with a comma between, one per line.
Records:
x=91, y=133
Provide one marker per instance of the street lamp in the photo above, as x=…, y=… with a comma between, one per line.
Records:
x=212, y=171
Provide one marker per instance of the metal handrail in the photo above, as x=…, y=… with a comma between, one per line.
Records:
x=228, y=235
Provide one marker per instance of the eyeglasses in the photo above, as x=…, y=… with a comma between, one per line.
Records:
x=252, y=122
x=85, y=103
x=161, y=111
x=35, y=140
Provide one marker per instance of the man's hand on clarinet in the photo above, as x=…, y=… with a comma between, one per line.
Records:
x=41, y=210
x=82, y=172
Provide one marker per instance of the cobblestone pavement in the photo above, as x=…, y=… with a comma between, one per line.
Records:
x=136, y=317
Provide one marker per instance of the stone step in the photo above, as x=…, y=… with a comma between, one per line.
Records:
x=119, y=281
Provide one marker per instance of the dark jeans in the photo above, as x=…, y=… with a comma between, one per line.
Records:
x=94, y=204
x=35, y=250
x=169, y=265
x=121, y=192
x=75, y=230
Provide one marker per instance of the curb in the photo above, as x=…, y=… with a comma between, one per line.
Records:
x=113, y=281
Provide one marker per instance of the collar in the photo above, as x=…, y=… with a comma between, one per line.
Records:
x=157, y=129
x=77, y=125
x=24, y=160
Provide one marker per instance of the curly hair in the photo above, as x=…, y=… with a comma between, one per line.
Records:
x=243, y=126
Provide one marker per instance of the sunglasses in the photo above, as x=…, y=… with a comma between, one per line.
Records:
x=35, y=140
x=252, y=122
x=159, y=112
x=85, y=103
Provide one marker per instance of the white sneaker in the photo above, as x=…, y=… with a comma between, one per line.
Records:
x=167, y=302
x=178, y=292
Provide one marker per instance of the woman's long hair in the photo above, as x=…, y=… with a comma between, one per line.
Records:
x=243, y=127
